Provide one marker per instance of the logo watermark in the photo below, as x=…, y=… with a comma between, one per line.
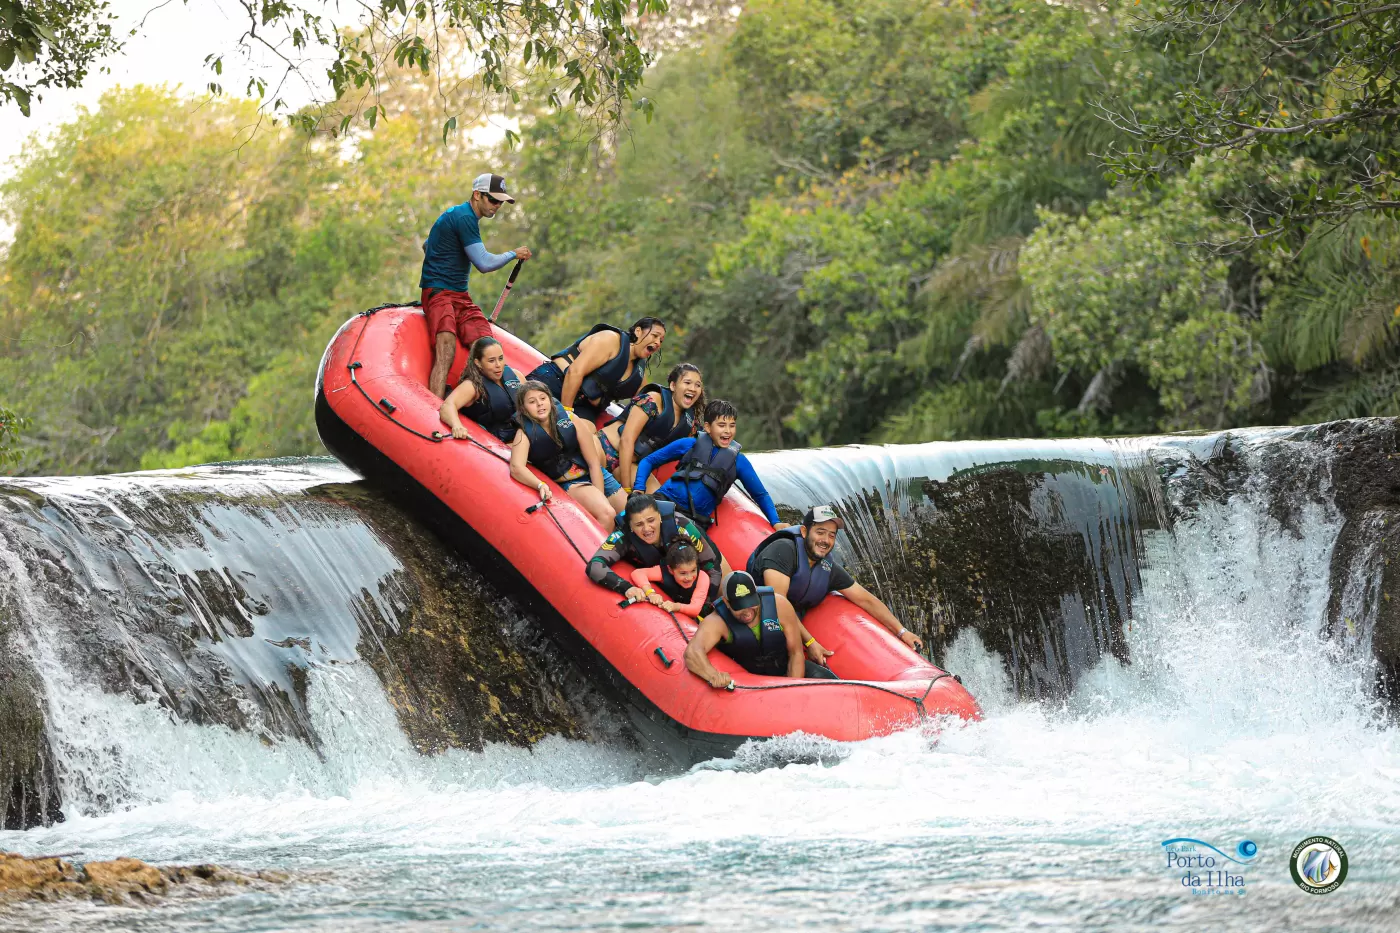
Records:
x=1318, y=865
x=1206, y=870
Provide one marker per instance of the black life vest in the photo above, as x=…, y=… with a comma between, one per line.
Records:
x=766, y=654
x=665, y=427
x=717, y=475
x=650, y=555
x=809, y=584
x=605, y=383
x=551, y=457
x=496, y=410
x=672, y=587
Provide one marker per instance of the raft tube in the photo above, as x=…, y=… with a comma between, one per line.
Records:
x=375, y=413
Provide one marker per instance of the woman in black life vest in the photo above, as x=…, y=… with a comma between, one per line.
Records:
x=566, y=450
x=486, y=394
x=657, y=416
x=645, y=530
x=602, y=366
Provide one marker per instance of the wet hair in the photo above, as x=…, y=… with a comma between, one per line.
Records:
x=637, y=503
x=719, y=408
x=534, y=385
x=679, y=370
x=473, y=369
x=644, y=324
x=681, y=553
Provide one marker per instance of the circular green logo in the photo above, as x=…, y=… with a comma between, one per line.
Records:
x=1318, y=865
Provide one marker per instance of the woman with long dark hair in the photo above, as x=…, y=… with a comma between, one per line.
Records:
x=486, y=393
x=646, y=529
x=566, y=450
x=602, y=366
x=654, y=418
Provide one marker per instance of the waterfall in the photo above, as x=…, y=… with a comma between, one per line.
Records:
x=278, y=627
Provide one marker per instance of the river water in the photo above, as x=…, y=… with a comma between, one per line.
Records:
x=1236, y=720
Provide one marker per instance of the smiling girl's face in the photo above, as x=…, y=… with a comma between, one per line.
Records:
x=685, y=574
x=688, y=389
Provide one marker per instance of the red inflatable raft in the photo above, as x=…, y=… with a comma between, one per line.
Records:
x=374, y=412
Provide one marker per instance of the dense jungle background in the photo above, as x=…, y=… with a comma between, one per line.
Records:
x=891, y=220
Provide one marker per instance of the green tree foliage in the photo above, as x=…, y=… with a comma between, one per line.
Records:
x=175, y=276
x=49, y=43
x=11, y=425
x=583, y=52
x=884, y=222
x=1275, y=81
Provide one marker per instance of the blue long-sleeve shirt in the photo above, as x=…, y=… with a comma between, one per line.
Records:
x=675, y=489
x=453, y=243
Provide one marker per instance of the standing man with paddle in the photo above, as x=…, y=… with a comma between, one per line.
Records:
x=452, y=248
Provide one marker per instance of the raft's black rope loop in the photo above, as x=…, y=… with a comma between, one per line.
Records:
x=438, y=437
x=918, y=704
x=550, y=512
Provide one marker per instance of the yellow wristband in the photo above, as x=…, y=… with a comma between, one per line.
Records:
x=808, y=643
x=650, y=591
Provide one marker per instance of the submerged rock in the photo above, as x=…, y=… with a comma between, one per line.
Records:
x=121, y=881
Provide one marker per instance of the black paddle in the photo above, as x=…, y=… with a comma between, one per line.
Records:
x=509, y=283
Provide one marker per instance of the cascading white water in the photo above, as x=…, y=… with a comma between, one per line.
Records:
x=1236, y=718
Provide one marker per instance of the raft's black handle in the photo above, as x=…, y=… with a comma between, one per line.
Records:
x=729, y=686
x=388, y=406
x=661, y=653
x=627, y=602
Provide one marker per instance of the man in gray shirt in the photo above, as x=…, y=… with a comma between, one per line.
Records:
x=797, y=563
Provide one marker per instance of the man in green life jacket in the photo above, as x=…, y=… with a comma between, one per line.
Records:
x=756, y=627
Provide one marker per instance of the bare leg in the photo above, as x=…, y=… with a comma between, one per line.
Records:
x=618, y=500
x=653, y=483
x=588, y=496
x=444, y=349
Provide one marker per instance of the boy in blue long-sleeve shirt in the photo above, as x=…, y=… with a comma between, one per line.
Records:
x=709, y=465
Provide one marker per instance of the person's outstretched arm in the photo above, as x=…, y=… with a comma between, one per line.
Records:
x=460, y=397
x=792, y=633
x=637, y=419
x=875, y=606
x=754, y=486
x=697, y=599
x=668, y=454
x=600, y=568
x=520, y=466
x=697, y=653
x=487, y=261
x=595, y=350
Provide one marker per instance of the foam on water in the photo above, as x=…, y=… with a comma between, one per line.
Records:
x=1237, y=718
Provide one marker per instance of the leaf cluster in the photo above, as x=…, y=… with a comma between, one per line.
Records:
x=50, y=44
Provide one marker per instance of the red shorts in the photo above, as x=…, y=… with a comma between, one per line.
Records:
x=454, y=313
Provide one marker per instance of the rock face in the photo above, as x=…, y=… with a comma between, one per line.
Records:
x=1351, y=468
x=122, y=881
x=28, y=796
x=1037, y=553
x=216, y=593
